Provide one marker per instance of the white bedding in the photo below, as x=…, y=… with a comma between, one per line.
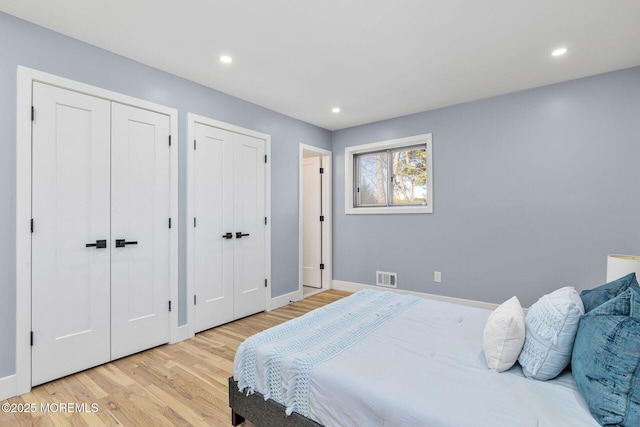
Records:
x=422, y=367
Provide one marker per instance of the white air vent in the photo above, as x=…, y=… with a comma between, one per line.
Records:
x=386, y=279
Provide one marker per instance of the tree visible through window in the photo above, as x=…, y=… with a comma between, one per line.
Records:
x=391, y=177
x=372, y=182
x=409, y=168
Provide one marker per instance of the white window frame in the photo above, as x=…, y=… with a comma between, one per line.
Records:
x=350, y=152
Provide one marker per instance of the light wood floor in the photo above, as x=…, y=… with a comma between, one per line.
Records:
x=173, y=385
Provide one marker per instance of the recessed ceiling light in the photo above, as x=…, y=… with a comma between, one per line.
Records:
x=559, y=52
x=335, y=110
x=226, y=59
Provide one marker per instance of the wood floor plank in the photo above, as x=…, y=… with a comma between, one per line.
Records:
x=92, y=387
x=183, y=384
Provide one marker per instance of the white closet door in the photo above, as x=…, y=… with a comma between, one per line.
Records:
x=70, y=204
x=213, y=210
x=311, y=225
x=139, y=230
x=249, y=242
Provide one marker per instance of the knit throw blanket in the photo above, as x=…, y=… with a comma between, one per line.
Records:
x=296, y=347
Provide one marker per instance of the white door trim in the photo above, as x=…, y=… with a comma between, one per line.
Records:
x=25, y=78
x=327, y=210
x=192, y=119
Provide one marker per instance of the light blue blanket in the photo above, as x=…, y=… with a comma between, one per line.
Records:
x=293, y=349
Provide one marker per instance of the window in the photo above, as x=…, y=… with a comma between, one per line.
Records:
x=389, y=177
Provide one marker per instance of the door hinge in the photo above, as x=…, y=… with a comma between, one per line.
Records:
x=321, y=218
x=321, y=170
x=265, y=220
x=265, y=158
x=169, y=140
x=194, y=144
x=194, y=299
x=265, y=283
x=321, y=266
x=169, y=222
x=169, y=305
x=194, y=222
x=31, y=337
x=32, y=225
x=33, y=113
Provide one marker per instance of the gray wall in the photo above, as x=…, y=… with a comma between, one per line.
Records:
x=532, y=190
x=25, y=44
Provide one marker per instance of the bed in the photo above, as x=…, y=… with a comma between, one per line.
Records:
x=383, y=359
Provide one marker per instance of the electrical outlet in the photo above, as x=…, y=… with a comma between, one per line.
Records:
x=437, y=276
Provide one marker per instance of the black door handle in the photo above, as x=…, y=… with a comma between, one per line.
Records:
x=227, y=236
x=240, y=235
x=121, y=243
x=99, y=244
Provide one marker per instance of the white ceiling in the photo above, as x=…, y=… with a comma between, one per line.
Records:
x=375, y=59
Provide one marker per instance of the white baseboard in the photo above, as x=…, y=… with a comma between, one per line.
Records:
x=8, y=387
x=309, y=293
x=285, y=299
x=355, y=287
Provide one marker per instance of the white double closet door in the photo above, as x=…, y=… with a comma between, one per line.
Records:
x=229, y=225
x=100, y=241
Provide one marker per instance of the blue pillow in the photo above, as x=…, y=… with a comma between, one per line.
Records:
x=606, y=360
x=592, y=298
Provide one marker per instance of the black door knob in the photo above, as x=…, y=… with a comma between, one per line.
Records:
x=121, y=243
x=99, y=244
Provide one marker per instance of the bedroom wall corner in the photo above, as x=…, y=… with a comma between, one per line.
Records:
x=532, y=190
x=54, y=53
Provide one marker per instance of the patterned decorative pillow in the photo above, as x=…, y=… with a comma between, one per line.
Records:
x=552, y=323
x=592, y=298
x=606, y=360
x=503, y=335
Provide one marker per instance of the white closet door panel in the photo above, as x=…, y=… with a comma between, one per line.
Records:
x=311, y=225
x=213, y=210
x=70, y=193
x=139, y=218
x=249, y=251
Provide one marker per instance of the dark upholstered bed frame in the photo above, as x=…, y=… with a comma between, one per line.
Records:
x=263, y=413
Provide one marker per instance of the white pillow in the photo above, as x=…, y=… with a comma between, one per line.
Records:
x=552, y=324
x=504, y=335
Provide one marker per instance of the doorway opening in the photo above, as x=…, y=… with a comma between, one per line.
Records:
x=314, y=220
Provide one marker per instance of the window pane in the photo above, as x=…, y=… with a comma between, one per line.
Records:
x=409, y=177
x=371, y=179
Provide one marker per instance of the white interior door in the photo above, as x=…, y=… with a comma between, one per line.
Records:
x=229, y=254
x=139, y=230
x=311, y=225
x=249, y=242
x=70, y=210
x=213, y=219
